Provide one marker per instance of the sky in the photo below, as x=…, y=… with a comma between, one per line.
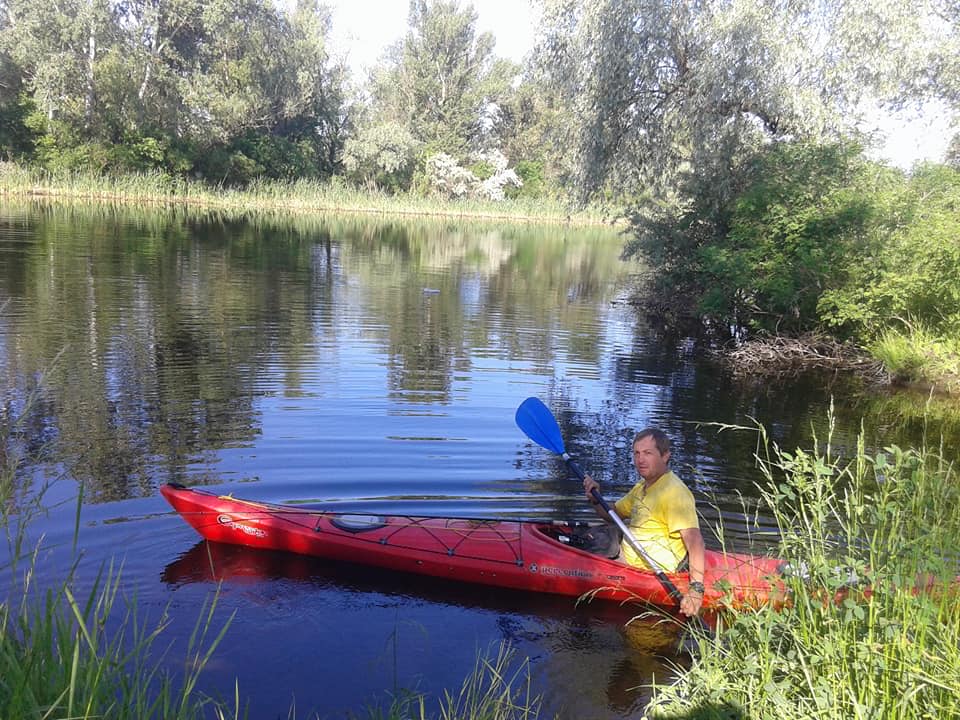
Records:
x=912, y=136
x=363, y=29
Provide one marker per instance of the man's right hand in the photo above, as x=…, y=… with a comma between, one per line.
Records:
x=589, y=485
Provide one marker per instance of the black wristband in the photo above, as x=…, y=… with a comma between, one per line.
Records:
x=696, y=586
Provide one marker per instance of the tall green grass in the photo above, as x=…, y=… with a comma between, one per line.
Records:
x=77, y=656
x=498, y=688
x=918, y=354
x=307, y=195
x=67, y=657
x=873, y=628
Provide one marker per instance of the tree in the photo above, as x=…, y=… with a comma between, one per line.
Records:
x=671, y=107
x=440, y=79
x=232, y=89
x=656, y=89
x=381, y=155
x=16, y=139
x=914, y=276
x=240, y=78
x=58, y=50
x=161, y=40
x=808, y=215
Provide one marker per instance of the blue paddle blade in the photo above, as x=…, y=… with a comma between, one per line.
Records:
x=538, y=424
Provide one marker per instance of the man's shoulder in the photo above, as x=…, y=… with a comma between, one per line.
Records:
x=671, y=478
x=671, y=483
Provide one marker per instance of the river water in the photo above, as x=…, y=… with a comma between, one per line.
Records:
x=370, y=364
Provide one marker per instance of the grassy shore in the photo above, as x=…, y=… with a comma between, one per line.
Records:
x=873, y=631
x=917, y=355
x=291, y=196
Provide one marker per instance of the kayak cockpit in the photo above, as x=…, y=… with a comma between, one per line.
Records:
x=596, y=539
x=358, y=523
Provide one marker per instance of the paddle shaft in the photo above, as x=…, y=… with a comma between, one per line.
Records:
x=668, y=585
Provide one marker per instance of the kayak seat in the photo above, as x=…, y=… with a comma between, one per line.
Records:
x=358, y=523
x=601, y=540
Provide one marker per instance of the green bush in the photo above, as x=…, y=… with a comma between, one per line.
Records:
x=531, y=173
x=808, y=213
x=17, y=138
x=482, y=170
x=915, y=273
x=278, y=158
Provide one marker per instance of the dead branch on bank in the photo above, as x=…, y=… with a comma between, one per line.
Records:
x=777, y=356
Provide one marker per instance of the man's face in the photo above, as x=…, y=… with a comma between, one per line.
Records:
x=648, y=460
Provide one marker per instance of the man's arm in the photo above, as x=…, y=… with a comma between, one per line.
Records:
x=693, y=540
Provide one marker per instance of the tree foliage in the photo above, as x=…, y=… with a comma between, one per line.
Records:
x=730, y=130
x=807, y=215
x=914, y=275
x=445, y=87
x=381, y=155
x=818, y=238
x=224, y=88
x=437, y=80
x=661, y=89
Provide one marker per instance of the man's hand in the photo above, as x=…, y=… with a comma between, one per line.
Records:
x=693, y=541
x=691, y=602
x=589, y=485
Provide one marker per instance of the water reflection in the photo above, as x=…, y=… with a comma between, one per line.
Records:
x=178, y=327
x=618, y=650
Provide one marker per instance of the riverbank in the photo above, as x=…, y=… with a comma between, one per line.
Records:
x=295, y=196
x=913, y=358
x=874, y=627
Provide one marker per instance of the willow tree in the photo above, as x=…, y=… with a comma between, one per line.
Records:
x=657, y=89
x=671, y=107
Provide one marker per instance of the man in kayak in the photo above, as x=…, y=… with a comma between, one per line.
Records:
x=662, y=516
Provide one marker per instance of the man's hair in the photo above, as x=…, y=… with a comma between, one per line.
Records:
x=660, y=439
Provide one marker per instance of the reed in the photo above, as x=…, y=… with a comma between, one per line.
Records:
x=304, y=195
x=918, y=354
x=64, y=656
x=90, y=655
x=498, y=688
x=873, y=627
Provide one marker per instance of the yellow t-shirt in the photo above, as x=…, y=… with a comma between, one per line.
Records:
x=655, y=519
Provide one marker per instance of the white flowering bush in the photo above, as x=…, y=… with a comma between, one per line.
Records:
x=450, y=179
x=493, y=187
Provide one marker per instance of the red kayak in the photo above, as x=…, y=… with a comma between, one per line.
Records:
x=503, y=553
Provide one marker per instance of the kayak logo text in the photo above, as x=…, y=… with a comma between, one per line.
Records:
x=236, y=525
x=568, y=572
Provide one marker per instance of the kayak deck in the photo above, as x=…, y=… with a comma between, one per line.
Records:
x=502, y=553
